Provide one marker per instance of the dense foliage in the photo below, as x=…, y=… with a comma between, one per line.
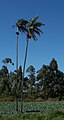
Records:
x=48, y=82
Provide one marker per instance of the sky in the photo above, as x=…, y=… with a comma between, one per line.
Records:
x=49, y=45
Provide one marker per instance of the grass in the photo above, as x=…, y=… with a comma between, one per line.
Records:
x=33, y=111
x=52, y=115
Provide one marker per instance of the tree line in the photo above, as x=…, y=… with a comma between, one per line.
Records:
x=47, y=82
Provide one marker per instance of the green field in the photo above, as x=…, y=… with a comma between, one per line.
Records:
x=33, y=111
x=7, y=108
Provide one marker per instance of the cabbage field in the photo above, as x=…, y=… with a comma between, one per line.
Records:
x=8, y=108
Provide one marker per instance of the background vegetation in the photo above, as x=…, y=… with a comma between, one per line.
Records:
x=46, y=83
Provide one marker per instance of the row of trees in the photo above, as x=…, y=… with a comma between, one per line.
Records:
x=48, y=82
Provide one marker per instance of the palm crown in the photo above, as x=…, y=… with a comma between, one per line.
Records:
x=30, y=27
x=22, y=25
x=33, y=28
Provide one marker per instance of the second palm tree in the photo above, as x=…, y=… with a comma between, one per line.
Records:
x=32, y=30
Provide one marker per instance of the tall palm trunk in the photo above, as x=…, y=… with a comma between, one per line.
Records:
x=17, y=33
x=27, y=41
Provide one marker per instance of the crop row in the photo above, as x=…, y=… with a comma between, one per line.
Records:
x=8, y=108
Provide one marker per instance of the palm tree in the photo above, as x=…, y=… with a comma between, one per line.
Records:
x=17, y=33
x=32, y=30
x=21, y=27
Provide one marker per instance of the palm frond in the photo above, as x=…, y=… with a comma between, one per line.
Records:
x=39, y=30
x=34, y=36
x=38, y=24
x=23, y=29
x=33, y=20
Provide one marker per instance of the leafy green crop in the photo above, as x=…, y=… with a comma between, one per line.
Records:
x=8, y=108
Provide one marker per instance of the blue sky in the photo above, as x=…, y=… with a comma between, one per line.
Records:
x=49, y=45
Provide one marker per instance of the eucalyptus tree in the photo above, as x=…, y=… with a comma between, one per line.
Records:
x=4, y=70
x=7, y=60
x=4, y=81
x=32, y=30
x=31, y=80
x=51, y=80
x=53, y=65
x=5, y=75
x=21, y=27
